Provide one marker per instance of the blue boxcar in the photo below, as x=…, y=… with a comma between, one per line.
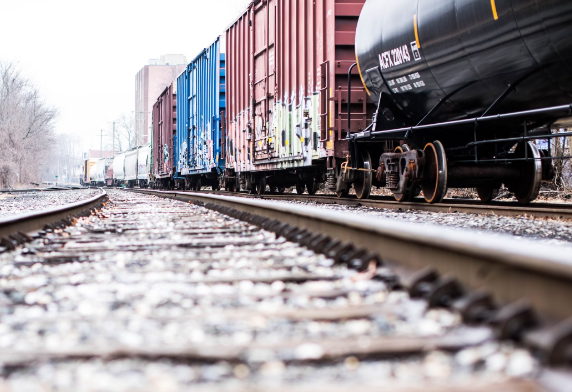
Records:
x=201, y=103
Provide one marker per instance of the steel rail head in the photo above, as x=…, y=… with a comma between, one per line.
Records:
x=34, y=221
x=501, y=208
x=50, y=189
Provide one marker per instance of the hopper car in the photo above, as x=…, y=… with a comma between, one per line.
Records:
x=133, y=167
x=101, y=174
x=119, y=169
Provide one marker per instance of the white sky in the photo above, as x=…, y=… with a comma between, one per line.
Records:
x=83, y=55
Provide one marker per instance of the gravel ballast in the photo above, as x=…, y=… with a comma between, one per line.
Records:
x=152, y=294
x=12, y=204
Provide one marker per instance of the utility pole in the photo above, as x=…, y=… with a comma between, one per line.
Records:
x=113, y=143
x=101, y=145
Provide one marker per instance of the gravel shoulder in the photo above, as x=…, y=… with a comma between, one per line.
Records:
x=12, y=204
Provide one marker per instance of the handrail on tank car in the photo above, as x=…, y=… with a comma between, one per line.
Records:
x=350, y=96
x=471, y=121
x=512, y=139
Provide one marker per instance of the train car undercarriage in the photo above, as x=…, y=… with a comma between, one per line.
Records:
x=422, y=162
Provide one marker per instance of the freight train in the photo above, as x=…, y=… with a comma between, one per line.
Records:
x=101, y=174
x=132, y=168
x=416, y=96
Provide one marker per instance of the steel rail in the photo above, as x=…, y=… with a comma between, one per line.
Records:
x=553, y=211
x=50, y=189
x=500, y=208
x=512, y=270
x=35, y=221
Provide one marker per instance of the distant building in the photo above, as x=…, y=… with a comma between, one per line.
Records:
x=150, y=81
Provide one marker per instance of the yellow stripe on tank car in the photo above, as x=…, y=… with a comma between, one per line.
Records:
x=361, y=76
x=417, y=31
x=494, y=7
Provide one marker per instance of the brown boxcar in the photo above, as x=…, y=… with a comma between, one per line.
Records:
x=287, y=83
x=164, y=129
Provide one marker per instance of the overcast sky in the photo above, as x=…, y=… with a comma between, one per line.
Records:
x=83, y=55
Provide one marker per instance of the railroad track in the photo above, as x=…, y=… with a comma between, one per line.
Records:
x=14, y=229
x=522, y=287
x=500, y=208
x=50, y=189
x=153, y=293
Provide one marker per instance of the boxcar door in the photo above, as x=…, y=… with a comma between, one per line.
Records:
x=264, y=79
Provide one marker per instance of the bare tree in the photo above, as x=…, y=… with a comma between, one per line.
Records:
x=26, y=128
x=65, y=159
x=125, y=128
x=560, y=147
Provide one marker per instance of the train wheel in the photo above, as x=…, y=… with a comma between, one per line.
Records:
x=528, y=187
x=403, y=197
x=487, y=193
x=300, y=188
x=342, y=188
x=410, y=194
x=363, y=178
x=434, y=184
x=407, y=196
x=198, y=185
x=261, y=186
x=342, y=193
x=312, y=187
x=273, y=189
x=281, y=190
x=251, y=187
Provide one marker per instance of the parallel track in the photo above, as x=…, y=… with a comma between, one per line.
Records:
x=500, y=208
x=27, y=223
x=50, y=189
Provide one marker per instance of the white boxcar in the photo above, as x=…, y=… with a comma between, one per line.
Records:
x=144, y=168
x=98, y=172
x=93, y=175
x=119, y=169
x=131, y=167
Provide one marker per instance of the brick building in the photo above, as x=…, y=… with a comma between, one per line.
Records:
x=150, y=81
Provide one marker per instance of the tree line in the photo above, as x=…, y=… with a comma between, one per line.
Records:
x=27, y=128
